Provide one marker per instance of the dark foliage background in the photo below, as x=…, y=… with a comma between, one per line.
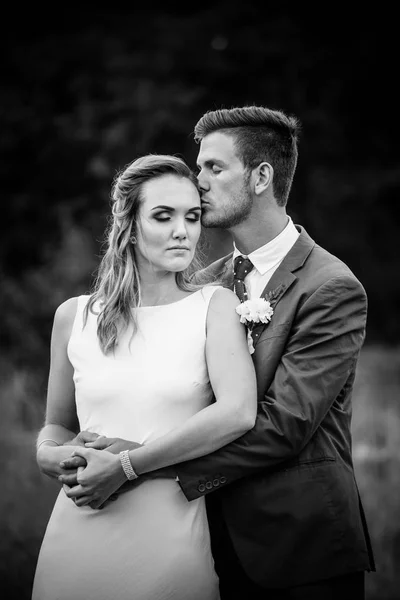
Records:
x=84, y=91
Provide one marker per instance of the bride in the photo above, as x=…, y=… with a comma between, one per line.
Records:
x=147, y=356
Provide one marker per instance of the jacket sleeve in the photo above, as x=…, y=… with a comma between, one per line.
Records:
x=325, y=340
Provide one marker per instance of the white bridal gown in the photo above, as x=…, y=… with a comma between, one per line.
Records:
x=151, y=543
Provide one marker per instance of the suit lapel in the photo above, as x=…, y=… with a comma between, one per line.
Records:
x=278, y=285
x=283, y=278
x=280, y=282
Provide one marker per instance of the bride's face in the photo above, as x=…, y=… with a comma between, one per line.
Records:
x=168, y=224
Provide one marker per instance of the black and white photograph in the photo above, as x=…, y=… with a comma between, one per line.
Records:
x=199, y=275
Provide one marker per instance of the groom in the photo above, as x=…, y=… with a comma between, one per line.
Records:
x=285, y=514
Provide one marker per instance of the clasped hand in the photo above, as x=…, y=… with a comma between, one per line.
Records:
x=92, y=477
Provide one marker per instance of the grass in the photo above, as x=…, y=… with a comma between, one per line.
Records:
x=376, y=444
x=27, y=496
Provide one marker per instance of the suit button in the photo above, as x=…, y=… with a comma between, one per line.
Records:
x=209, y=485
x=202, y=488
x=216, y=482
x=222, y=479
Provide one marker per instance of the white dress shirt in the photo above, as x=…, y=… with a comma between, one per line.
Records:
x=267, y=259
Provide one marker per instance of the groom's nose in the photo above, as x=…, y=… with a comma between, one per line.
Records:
x=203, y=183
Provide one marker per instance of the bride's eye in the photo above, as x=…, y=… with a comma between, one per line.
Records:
x=193, y=217
x=162, y=216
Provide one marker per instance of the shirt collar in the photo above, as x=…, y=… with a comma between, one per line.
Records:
x=267, y=256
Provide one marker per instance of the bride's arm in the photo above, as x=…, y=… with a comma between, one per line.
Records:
x=61, y=420
x=233, y=380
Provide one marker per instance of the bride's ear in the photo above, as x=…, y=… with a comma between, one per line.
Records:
x=264, y=174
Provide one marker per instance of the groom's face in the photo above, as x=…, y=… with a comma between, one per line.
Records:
x=225, y=191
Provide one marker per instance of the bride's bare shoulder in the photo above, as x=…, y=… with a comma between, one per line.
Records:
x=65, y=314
x=223, y=298
x=222, y=308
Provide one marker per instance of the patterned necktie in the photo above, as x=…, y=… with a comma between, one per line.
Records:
x=242, y=266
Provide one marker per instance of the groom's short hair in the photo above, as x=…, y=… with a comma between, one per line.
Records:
x=260, y=135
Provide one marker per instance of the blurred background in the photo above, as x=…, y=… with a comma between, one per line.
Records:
x=84, y=92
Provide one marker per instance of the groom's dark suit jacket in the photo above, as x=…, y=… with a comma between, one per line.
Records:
x=286, y=488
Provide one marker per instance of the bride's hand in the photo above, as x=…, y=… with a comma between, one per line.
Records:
x=101, y=477
x=100, y=442
x=49, y=458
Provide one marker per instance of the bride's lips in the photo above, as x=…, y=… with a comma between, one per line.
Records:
x=178, y=248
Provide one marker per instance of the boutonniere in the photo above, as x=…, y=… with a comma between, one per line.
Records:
x=254, y=311
x=258, y=310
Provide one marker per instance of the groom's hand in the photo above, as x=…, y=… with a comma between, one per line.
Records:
x=82, y=438
x=98, y=442
x=101, y=442
x=113, y=445
x=72, y=464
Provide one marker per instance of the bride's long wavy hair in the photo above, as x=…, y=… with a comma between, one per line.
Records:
x=117, y=289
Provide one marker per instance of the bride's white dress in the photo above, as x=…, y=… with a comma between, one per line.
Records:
x=151, y=543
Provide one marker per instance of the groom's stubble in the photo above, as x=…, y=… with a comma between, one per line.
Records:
x=233, y=212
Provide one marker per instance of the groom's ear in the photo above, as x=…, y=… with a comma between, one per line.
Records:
x=263, y=175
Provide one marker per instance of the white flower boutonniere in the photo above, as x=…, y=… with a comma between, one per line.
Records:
x=254, y=311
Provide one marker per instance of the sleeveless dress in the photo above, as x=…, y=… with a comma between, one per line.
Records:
x=151, y=543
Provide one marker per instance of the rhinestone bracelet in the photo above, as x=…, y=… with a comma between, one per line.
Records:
x=127, y=465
